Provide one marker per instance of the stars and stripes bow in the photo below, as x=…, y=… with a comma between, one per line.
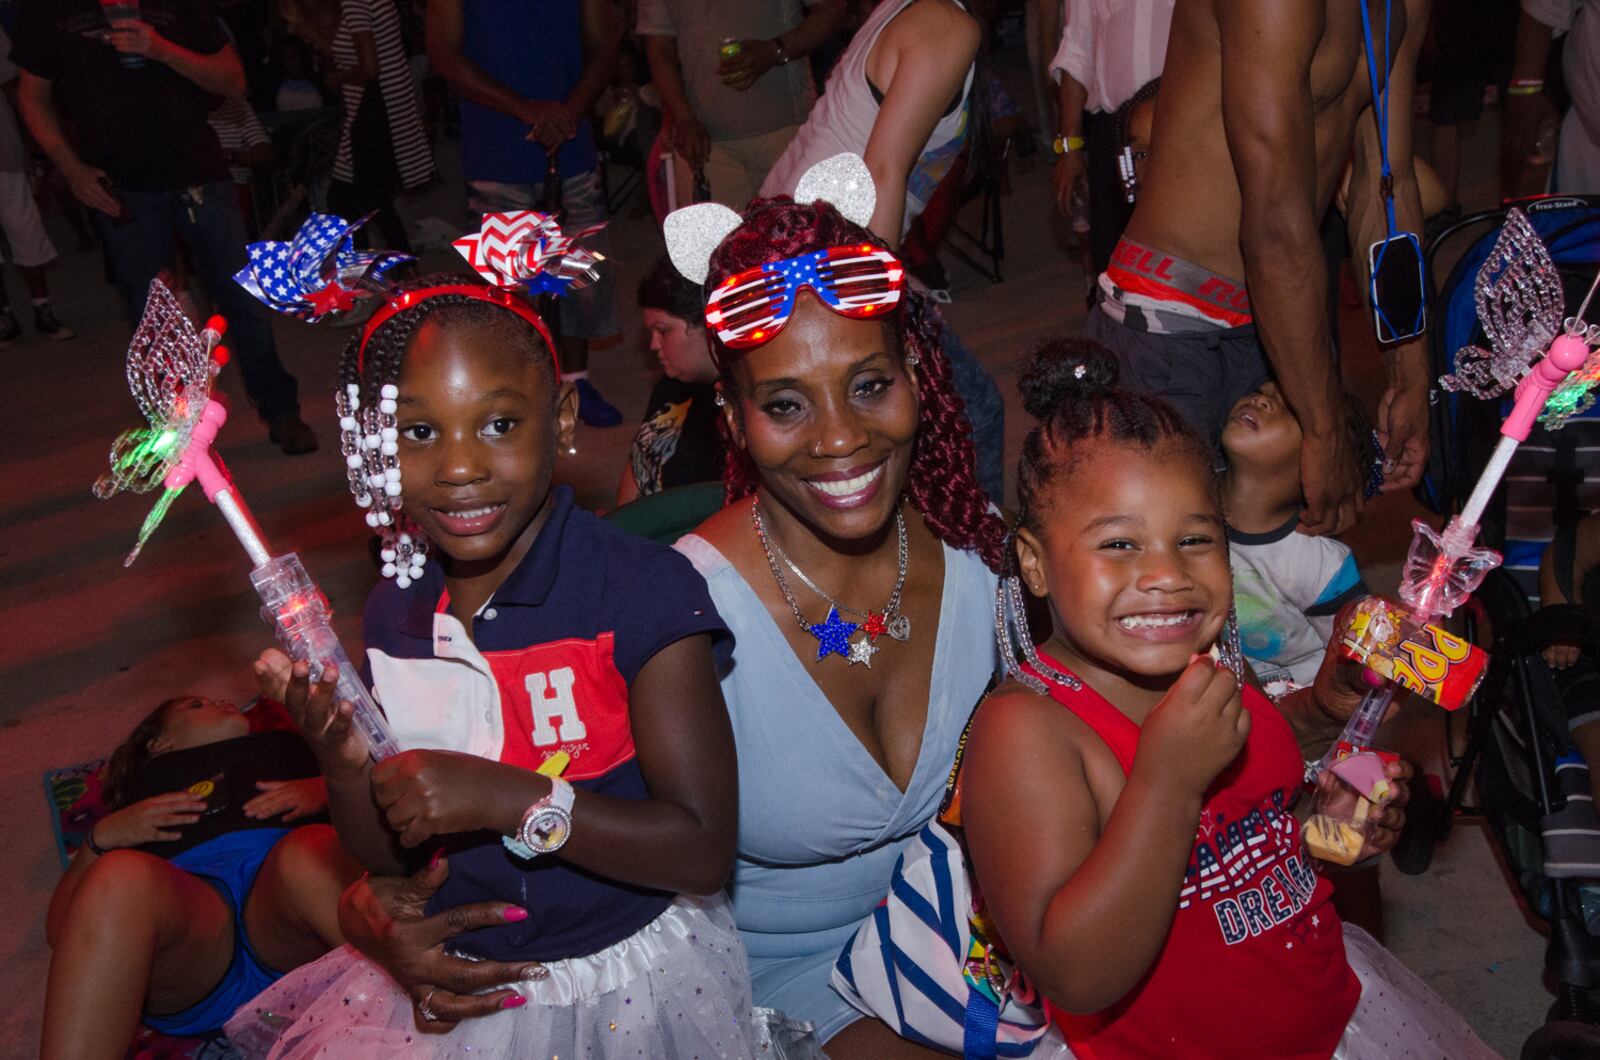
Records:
x=528, y=248
x=318, y=272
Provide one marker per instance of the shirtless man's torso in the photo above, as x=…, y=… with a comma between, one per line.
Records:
x=1262, y=102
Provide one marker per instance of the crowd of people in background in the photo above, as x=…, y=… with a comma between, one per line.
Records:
x=1222, y=165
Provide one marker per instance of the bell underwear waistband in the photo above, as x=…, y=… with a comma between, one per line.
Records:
x=1156, y=276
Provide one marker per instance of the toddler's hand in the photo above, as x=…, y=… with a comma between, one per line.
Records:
x=324, y=723
x=290, y=799
x=1196, y=730
x=1389, y=818
x=148, y=821
x=1561, y=656
x=429, y=793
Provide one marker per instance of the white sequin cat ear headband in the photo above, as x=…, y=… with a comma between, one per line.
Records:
x=692, y=233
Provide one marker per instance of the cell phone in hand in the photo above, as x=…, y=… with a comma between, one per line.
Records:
x=1398, y=291
x=123, y=215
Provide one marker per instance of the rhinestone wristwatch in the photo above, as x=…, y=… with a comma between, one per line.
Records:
x=545, y=825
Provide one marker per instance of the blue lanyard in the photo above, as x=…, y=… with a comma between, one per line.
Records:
x=1380, y=104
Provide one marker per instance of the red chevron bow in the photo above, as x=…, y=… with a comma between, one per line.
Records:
x=527, y=247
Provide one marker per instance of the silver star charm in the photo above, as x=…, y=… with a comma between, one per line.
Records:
x=862, y=651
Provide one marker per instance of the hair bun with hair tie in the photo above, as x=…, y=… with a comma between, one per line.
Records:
x=1066, y=370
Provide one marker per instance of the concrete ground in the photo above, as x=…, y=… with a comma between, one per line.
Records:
x=90, y=647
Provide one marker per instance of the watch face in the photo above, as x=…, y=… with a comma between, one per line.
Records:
x=547, y=829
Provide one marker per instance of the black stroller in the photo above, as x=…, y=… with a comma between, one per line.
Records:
x=1529, y=784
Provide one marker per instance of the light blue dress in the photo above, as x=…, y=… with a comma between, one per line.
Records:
x=820, y=823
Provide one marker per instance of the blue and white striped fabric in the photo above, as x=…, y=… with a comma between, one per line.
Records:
x=905, y=963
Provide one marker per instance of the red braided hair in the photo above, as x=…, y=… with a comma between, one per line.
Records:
x=942, y=482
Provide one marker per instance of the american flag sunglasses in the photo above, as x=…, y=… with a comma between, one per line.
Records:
x=750, y=307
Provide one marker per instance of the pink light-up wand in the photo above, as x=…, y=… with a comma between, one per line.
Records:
x=171, y=370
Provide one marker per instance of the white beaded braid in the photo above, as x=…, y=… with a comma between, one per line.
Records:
x=370, y=442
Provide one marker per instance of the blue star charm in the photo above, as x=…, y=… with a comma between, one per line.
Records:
x=833, y=636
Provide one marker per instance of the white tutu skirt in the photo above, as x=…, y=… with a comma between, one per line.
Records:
x=676, y=989
x=1399, y=1016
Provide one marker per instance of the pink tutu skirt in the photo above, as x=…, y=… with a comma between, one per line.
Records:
x=1398, y=1015
x=678, y=988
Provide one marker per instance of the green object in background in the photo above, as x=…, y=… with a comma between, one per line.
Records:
x=666, y=516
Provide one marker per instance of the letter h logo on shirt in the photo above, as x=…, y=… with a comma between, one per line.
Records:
x=552, y=702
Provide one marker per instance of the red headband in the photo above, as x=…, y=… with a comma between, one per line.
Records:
x=503, y=297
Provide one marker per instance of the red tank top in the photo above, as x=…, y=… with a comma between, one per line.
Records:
x=1254, y=964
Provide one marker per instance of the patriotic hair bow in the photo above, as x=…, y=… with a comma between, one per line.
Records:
x=528, y=248
x=318, y=272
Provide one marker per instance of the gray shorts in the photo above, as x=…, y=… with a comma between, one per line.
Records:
x=1201, y=373
x=589, y=312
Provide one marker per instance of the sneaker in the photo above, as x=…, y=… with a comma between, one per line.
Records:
x=10, y=329
x=292, y=434
x=595, y=410
x=45, y=323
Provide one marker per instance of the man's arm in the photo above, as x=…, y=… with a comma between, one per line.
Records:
x=689, y=137
x=1528, y=104
x=445, y=33
x=756, y=57
x=1267, y=47
x=1403, y=414
x=219, y=73
x=39, y=112
x=1071, y=68
x=931, y=48
x=602, y=37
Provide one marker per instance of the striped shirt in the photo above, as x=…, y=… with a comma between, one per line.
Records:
x=238, y=129
x=412, y=155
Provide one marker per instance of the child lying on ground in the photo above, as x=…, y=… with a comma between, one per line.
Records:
x=196, y=891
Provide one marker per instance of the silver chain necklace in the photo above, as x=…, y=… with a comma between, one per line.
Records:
x=833, y=634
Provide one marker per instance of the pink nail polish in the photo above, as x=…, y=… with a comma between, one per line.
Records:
x=513, y=914
x=438, y=855
x=514, y=1001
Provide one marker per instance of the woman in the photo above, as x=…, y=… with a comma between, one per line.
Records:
x=382, y=146
x=849, y=447
x=678, y=443
x=901, y=98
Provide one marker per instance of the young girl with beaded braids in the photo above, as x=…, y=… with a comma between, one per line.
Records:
x=1165, y=904
x=569, y=750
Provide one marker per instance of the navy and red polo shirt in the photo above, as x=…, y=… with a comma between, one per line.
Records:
x=546, y=668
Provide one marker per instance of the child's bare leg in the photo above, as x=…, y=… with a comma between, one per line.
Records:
x=292, y=914
x=140, y=933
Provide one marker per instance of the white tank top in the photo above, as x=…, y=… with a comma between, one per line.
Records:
x=843, y=117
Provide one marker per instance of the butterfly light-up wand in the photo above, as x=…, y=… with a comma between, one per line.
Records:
x=1400, y=646
x=171, y=370
x=1443, y=569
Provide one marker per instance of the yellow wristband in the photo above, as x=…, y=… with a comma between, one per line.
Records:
x=1066, y=144
x=1525, y=90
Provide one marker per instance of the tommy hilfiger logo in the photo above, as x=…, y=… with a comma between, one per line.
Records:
x=552, y=702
